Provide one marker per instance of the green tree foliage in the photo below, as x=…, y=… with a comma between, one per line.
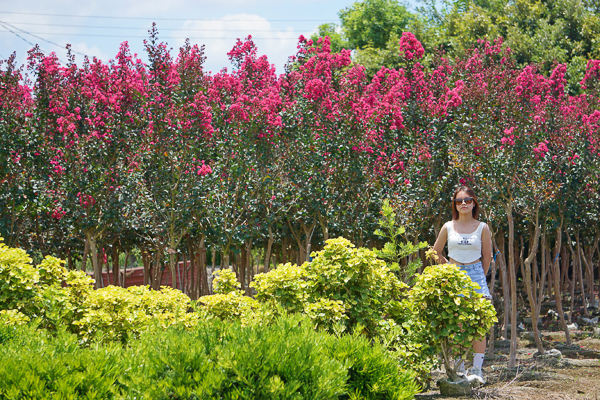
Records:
x=372, y=28
x=539, y=32
x=373, y=22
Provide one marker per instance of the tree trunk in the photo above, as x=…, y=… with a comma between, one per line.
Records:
x=308, y=232
x=301, y=249
x=493, y=293
x=513, y=287
x=557, y=289
x=116, y=270
x=156, y=269
x=504, y=281
x=123, y=281
x=528, y=286
x=70, y=260
x=194, y=277
x=201, y=269
x=324, y=227
x=580, y=273
x=91, y=238
x=243, y=264
x=268, y=250
x=86, y=251
x=146, y=260
x=544, y=274
x=249, y=262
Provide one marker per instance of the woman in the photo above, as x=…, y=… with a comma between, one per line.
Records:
x=470, y=248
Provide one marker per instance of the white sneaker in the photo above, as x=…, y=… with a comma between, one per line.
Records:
x=476, y=374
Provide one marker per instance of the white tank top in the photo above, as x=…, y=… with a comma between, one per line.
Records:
x=464, y=247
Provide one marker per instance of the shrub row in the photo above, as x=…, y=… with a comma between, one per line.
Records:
x=286, y=359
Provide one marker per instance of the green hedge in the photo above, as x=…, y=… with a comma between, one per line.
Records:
x=287, y=359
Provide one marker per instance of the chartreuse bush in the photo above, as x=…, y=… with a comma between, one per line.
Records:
x=345, y=288
x=342, y=284
x=112, y=313
x=228, y=302
x=449, y=311
x=287, y=359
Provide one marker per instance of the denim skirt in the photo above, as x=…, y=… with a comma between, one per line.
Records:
x=475, y=272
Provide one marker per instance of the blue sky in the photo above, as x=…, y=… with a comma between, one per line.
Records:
x=96, y=28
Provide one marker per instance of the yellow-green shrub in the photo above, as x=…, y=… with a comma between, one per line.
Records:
x=13, y=318
x=230, y=306
x=228, y=303
x=117, y=314
x=355, y=279
x=450, y=312
x=19, y=280
x=326, y=312
x=285, y=285
x=225, y=281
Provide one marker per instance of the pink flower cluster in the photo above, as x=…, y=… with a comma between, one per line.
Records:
x=509, y=139
x=410, y=47
x=541, y=150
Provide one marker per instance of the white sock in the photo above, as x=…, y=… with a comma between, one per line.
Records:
x=478, y=360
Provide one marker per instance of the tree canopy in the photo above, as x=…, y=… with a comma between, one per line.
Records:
x=537, y=31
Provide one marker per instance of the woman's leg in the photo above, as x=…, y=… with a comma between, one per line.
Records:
x=479, y=346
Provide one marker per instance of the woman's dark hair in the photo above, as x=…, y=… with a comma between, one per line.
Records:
x=471, y=193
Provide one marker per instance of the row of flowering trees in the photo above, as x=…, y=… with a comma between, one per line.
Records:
x=99, y=159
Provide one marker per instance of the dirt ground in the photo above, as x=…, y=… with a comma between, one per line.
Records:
x=575, y=376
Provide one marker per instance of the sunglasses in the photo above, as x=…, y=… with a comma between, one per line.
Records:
x=467, y=200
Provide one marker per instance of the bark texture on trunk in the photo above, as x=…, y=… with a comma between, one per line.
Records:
x=528, y=285
x=557, y=289
x=513, y=287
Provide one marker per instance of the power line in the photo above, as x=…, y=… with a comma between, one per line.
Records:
x=38, y=37
x=158, y=19
x=169, y=37
x=27, y=41
x=135, y=28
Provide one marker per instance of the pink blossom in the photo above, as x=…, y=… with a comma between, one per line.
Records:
x=410, y=47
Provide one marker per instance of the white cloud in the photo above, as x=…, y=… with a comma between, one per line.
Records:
x=219, y=36
x=90, y=51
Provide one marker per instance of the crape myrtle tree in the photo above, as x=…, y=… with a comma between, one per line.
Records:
x=247, y=123
x=177, y=134
x=316, y=91
x=18, y=145
x=81, y=115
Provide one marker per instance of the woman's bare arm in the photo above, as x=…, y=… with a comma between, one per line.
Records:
x=439, y=245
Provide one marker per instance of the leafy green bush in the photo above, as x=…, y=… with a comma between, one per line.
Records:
x=228, y=302
x=13, y=318
x=19, y=280
x=450, y=312
x=326, y=312
x=117, y=314
x=285, y=285
x=225, y=282
x=287, y=359
x=395, y=249
x=111, y=313
x=340, y=277
x=230, y=306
